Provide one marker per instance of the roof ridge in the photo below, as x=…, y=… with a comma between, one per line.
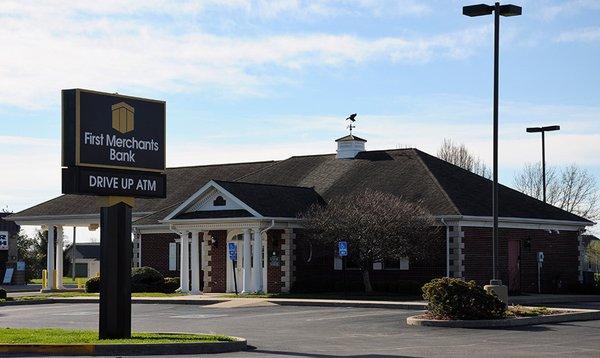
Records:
x=263, y=184
x=434, y=179
x=222, y=165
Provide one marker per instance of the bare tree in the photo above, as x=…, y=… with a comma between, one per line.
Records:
x=593, y=253
x=377, y=226
x=459, y=155
x=571, y=188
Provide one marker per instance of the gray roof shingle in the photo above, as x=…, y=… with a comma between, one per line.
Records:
x=282, y=188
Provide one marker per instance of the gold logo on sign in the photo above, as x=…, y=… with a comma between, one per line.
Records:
x=122, y=117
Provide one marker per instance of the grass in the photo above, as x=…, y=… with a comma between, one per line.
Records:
x=66, y=280
x=375, y=296
x=67, y=336
x=520, y=311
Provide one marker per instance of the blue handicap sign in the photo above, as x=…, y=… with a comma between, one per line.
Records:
x=232, y=249
x=343, y=248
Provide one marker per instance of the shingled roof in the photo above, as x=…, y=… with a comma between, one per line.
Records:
x=442, y=188
x=273, y=200
x=182, y=182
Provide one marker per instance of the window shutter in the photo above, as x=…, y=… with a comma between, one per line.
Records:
x=172, y=256
x=404, y=263
x=337, y=263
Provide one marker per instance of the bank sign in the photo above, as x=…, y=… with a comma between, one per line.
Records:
x=112, y=144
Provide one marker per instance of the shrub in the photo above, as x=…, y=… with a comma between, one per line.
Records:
x=452, y=298
x=93, y=285
x=2, y=294
x=146, y=275
x=171, y=284
x=146, y=279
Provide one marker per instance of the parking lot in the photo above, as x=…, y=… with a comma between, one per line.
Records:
x=325, y=332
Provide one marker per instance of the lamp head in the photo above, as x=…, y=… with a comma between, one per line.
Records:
x=551, y=128
x=510, y=10
x=477, y=10
x=534, y=129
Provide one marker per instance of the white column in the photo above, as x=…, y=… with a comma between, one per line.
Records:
x=50, y=258
x=59, y=257
x=195, y=263
x=184, y=267
x=246, y=259
x=257, y=261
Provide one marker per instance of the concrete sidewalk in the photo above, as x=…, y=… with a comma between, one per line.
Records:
x=217, y=301
x=32, y=287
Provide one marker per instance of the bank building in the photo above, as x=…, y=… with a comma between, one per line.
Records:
x=257, y=205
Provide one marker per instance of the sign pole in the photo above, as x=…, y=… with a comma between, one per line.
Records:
x=115, y=268
x=234, y=277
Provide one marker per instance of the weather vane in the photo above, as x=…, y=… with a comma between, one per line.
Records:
x=352, y=119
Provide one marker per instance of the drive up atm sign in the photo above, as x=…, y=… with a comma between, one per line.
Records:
x=113, y=145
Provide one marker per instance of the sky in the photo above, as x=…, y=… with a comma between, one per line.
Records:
x=260, y=80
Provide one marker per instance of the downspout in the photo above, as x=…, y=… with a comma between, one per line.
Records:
x=447, y=247
x=173, y=230
x=269, y=227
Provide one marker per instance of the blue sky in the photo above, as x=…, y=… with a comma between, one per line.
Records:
x=255, y=80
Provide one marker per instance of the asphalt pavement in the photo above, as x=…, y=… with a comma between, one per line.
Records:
x=277, y=331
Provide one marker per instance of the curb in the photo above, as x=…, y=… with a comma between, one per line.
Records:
x=237, y=345
x=357, y=304
x=96, y=300
x=574, y=315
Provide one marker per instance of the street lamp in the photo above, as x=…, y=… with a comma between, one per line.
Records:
x=543, y=130
x=498, y=10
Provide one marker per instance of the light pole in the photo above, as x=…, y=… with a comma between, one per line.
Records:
x=543, y=130
x=498, y=10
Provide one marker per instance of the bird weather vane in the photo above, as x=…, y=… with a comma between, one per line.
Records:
x=352, y=119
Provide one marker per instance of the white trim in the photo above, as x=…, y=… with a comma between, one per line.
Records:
x=211, y=184
x=78, y=220
x=515, y=223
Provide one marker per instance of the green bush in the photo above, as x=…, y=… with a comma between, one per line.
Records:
x=146, y=279
x=93, y=285
x=2, y=294
x=452, y=298
x=146, y=275
x=171, y=284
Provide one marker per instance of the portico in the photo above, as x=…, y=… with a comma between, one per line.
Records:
x=224, y=212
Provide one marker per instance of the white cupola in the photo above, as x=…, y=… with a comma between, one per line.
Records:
x=349, y=146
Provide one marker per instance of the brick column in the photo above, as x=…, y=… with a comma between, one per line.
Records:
x=206, y=268
x=288, y=237
x=457, y=256
x=581, y=248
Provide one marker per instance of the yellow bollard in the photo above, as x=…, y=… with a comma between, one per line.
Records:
x=44, y=278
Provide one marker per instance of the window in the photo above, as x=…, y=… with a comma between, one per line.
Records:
x=219, y=201
x=396, y=264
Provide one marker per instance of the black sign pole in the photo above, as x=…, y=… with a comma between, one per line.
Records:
x=115, y=269
x=344, y=273
x=234, y=276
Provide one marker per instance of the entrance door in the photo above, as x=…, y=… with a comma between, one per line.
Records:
x=514, y=270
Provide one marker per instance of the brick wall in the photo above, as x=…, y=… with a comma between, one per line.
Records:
x=218, y=262
x=155, y=252
x=560, y=268
x=314, y=268
x=274, y=273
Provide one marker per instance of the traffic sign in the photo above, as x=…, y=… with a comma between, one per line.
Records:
x=232, y=249
x=343, y=248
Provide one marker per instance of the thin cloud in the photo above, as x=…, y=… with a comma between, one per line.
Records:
x=94, y=46
x=589, y=34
